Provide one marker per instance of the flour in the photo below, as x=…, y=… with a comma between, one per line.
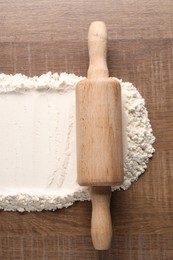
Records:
x=38, y=141
x=139, y=135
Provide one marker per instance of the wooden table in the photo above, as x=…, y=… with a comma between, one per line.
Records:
x=48, y=35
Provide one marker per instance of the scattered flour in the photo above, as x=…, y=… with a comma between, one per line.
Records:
x=38, y=141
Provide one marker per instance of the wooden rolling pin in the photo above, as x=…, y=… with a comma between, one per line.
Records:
x=99, y=135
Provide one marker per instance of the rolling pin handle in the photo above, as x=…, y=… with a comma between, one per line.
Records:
x=101, y=224
x=97, y=47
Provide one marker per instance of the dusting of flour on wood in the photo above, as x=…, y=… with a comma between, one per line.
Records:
x=38, y=141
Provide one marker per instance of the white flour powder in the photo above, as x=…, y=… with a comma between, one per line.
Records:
x=38, y=141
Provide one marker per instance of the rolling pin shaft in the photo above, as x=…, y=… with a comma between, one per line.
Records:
x=99, y=135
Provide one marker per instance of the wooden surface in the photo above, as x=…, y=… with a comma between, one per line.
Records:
x=40, y=36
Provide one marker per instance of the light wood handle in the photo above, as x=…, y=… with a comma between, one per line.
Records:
x=97, y=47
x=101, y=224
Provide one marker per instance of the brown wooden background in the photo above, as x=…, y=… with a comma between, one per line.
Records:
x=38, y=36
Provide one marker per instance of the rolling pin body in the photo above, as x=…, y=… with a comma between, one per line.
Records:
x=99, y=135
x=99, y=132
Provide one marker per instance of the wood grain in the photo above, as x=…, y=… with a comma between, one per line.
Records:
x=39, y=36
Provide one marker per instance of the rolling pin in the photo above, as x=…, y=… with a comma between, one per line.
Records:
x=99, y=135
